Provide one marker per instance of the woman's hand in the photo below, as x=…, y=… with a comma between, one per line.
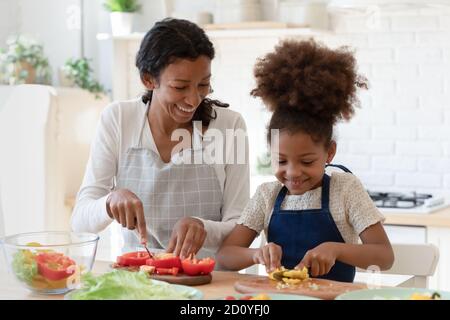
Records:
x=319, y=260
x=126, y=208
x=187, y=237
x=269, y=256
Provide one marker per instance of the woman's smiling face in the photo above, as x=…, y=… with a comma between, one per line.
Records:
x=181, y=87
x=301, y=161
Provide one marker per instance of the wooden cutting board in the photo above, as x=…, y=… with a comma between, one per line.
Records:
x=180, y=278
x=319, y=288
x=184, y=279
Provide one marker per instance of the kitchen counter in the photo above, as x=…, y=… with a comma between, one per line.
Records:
x=221, y=285
x=440, y=218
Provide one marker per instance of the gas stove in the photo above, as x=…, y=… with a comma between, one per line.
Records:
x=408, y=202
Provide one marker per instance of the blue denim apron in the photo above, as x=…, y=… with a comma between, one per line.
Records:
x=298, y=231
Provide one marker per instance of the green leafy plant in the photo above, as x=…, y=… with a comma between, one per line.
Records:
x=122, y=5
x=263, y=164
x=23, y=61
x=79, y=72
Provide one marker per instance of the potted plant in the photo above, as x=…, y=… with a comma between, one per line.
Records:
x=121, y=15
x=23, y=61
x=78, y=73
x=263, y=164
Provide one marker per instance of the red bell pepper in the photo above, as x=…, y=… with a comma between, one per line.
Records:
x=195, y=267
x=166, y=261
x=137, y=258
x=54, y=266
x=167, y=271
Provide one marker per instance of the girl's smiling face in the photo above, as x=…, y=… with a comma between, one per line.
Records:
x=300, y=162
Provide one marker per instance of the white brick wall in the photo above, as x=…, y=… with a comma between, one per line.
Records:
x=394, y=163
x=400, y=138
x=434, y=165
x=447, y=149
x=381, y=180
x=418, y=148
x=447, y=181
x=418, y=181
x=430, y=116
x=408, y=60
x=394, y=132
x=418, y=22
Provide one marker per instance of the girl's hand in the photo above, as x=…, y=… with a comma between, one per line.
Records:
x=126, y=208
x=269, y=256
x=187, y=238
x=319, y=260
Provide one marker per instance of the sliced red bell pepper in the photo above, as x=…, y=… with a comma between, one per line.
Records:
x=136, y=258
x=54, y=266
x=165, y=261
x=167, y=271
x=195, y=267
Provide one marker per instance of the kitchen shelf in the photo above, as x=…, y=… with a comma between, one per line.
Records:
x=439, y=218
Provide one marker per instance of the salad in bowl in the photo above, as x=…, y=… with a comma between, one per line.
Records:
x=50, y=262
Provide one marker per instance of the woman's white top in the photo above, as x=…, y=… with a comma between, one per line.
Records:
x=118, y=130
x=350, y=206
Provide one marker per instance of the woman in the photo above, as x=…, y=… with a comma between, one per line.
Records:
x=138, y=173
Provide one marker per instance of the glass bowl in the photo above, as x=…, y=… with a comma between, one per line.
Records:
x=50, y=262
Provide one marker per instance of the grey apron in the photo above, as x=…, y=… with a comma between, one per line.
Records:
x=168, y=191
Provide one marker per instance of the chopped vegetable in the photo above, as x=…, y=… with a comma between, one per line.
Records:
x=167, y=271
x=291, y=280
x=165, y=260
x=24, y=266
x=124, y=285
x=147, y=269
x=137, y=258
x=54, y=266
x=425, y=296
x=294, y=276
x=195, y=266
x=43, y=269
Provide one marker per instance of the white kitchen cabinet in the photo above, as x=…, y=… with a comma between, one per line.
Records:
x=441, y=238
x=406, y=234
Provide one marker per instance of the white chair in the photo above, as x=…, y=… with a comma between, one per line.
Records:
x=413, y=265
x=418, y=260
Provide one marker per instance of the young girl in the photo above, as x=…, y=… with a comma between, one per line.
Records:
x=310, y=219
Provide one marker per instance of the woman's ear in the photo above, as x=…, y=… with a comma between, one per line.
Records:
x=331, y=151
x=148, y=81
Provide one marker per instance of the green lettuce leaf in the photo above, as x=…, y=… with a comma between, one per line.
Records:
x=126, y=285
x=24, y=266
